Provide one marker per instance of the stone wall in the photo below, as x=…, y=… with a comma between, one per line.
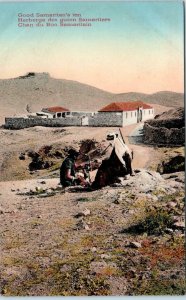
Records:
x=110, y=119
x=163, y=136
x=167, y=123
x=20, y=123
x=99, y=119
x=80, y=113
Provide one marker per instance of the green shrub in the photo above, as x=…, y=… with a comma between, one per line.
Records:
x=160, y=287
x=85, y=199
x=155, y=222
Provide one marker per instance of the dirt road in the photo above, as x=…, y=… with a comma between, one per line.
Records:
x=142, y=153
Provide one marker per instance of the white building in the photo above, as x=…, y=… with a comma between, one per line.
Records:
x=129, y=112
x=56, y=111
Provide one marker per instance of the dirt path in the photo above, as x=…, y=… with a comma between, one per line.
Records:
x=142, y=153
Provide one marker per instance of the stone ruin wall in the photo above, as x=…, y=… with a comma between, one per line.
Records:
x=156, y=134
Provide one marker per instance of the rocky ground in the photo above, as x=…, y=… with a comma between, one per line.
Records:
x=125, y=239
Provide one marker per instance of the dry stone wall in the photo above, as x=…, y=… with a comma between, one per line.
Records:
x=99, y=119
x=20, y=123
x=167, y=123
x=105, y=119
x=163, y=136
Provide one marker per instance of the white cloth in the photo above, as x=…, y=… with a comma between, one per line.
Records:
x=121, y=149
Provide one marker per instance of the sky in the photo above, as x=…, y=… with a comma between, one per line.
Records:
x=141, y=48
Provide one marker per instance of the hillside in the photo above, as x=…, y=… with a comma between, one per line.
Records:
x=164, y=98
x=176, y=113
x=38, y=90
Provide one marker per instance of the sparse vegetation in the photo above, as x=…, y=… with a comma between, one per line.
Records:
x=156, y=220
x=157, y=287
x=86, y=199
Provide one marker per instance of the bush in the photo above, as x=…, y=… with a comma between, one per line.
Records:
x=155, y=222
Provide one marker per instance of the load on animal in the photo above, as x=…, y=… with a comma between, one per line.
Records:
x=118, y=164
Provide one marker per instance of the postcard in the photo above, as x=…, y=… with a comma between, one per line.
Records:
x=92, y=142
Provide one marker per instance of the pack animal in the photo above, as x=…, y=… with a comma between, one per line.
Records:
x=119, y=164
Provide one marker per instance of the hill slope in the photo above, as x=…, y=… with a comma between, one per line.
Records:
x=164, y=98
x=38, y=90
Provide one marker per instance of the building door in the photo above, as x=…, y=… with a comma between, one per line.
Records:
x=84, y=121
x=139, y=115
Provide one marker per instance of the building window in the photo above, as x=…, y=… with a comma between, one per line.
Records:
x=149, y=112
x=126, y=115
x=135, y=113
x=58, y=115
x=68, y=113
x=144, y=112
x=131, y=114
